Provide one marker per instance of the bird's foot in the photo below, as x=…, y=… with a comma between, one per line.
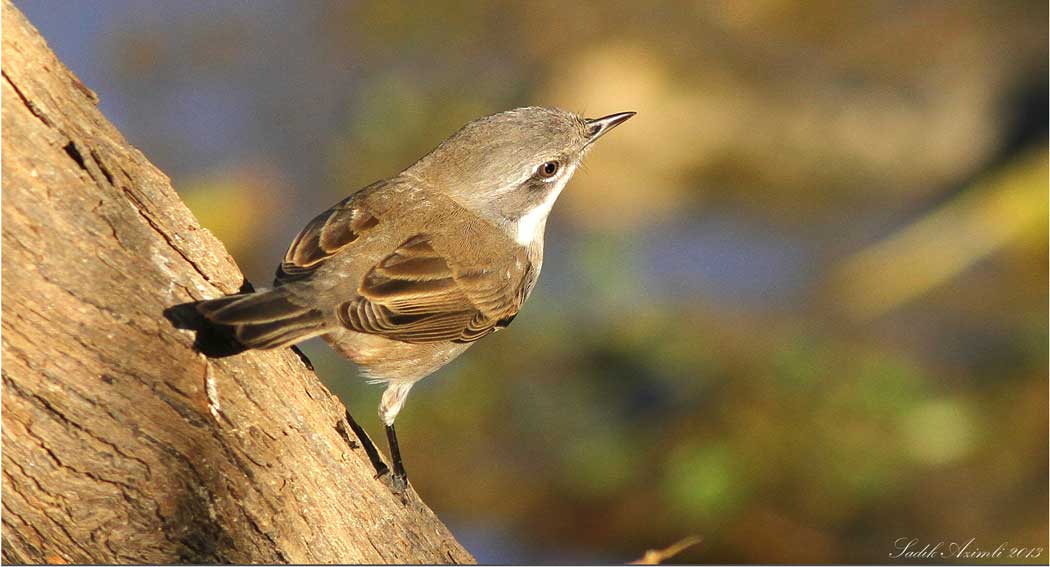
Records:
x=381, y=471
x=397, y=483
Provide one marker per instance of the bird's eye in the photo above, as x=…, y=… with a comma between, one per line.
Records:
x=549, y=169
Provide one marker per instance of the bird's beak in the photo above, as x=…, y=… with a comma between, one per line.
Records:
x=598, y=127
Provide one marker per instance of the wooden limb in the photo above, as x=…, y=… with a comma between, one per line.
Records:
x=121, y=444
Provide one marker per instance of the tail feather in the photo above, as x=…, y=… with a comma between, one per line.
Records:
x=262, y=307
x=264, y=320
x=279, y=333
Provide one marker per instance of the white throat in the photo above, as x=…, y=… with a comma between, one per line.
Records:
x=531, y=225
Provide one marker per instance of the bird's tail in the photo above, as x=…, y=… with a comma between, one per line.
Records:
x=264, y=320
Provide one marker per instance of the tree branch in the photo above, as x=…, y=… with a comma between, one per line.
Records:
x=120, y=442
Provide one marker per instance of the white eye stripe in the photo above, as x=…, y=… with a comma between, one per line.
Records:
x=533, y=222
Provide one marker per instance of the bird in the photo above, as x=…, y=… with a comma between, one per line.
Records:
x=407, y=273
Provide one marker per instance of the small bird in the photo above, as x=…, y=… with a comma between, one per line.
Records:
x=405, y=274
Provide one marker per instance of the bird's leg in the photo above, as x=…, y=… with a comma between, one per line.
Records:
x=400, y=479
x=369, y=447
x=390, y=404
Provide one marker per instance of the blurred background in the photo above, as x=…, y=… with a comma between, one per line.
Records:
x=797, y=306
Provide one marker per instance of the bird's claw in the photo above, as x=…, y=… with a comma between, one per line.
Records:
x=398, y=483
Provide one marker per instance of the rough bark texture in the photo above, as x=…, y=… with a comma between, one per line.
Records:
x=120, y=442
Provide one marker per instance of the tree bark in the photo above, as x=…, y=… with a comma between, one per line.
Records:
x=121, y=443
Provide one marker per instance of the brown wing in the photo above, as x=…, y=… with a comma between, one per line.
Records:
x=323, y=237
x=417, y=295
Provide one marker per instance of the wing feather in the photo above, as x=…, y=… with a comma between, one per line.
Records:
x=322, y=238
x=416, y=294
